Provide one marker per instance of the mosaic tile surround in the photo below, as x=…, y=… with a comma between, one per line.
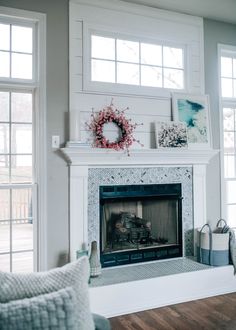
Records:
x=145, y=175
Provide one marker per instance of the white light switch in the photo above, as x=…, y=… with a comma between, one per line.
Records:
x=55, y=141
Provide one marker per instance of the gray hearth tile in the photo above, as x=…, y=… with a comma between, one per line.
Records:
x=149, y=270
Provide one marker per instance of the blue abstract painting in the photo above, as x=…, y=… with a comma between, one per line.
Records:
x=194, y=114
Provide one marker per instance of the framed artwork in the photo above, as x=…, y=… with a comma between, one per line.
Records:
x=193, y=110
x=171, y=134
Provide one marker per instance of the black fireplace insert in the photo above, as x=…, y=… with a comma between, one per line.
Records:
x=140, y=223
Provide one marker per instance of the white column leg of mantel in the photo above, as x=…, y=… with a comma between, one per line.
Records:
x=199, y=199
x=78, y=208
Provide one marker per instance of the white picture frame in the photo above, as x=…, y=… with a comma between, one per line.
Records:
x=171, y=134
x=195, y=112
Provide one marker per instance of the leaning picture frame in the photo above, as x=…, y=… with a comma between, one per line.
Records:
x=171, y=134
x=194, y=111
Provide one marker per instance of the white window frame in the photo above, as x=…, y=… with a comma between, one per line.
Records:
x=97, y=86
x=224, y=50
x=38, y=87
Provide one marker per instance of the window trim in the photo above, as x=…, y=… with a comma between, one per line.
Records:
x=38, y=87
x=127, y=89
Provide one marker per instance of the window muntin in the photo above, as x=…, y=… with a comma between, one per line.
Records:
x=121, y=61
x=16, y=51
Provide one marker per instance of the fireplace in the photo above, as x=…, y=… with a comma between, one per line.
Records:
x=140, y=223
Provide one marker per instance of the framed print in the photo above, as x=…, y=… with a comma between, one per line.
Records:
x=193, y=110
x=171, y=134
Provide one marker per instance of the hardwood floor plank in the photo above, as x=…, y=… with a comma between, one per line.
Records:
x=216, y=313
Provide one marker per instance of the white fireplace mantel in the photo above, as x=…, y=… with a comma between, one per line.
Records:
x=80, y=159
x=107, y=157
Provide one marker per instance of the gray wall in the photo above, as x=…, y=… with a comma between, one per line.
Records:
x=214, y=33
x=57, y=107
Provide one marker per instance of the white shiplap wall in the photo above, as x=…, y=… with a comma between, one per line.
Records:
x=121, y=17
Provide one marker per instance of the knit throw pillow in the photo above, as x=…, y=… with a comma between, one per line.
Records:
x=75, y=275
x=49, y=311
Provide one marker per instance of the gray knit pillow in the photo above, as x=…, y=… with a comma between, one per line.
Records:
x=48, y=311
x=75, y=275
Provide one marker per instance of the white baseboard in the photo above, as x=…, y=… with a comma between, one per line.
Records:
x=131, y=297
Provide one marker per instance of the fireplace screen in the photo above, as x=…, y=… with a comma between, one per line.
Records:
x=139, y=221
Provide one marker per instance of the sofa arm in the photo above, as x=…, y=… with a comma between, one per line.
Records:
x=101, y=323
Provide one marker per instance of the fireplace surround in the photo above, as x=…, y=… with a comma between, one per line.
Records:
x=92, y=168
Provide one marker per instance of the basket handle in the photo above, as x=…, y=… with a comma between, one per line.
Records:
x=210, y=242
x=221, y=220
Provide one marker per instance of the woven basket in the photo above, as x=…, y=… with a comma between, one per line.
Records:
x=212, y=247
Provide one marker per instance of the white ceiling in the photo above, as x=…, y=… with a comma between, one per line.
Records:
x=222, y=10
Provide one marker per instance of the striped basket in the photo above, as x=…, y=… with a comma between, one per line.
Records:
x=213, y=247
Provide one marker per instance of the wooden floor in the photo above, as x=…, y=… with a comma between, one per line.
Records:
x=217, y=313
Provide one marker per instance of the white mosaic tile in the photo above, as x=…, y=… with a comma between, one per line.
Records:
x=145, y=175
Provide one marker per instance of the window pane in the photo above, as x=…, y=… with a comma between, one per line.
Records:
x=127, y=51
x=103, y=48
x=226, y=87
x=21, y=170
x=22, y=236
x=4, y=237
x=172, y=57
x=231, y=192
x=234, y=87
x=4, y=138
x=226, y=67
x=22, y=262
x=173, y=78
x=151, y=76
x=103, y=71
x=229, y=166
x=21, y=107
x=231, y=215
x=21, y=39
x=22, y=204
x=228, y=140
x=228, y=117
x=234, y=68
x=4, y=169
x=21, y=66
x=21, y=140
x=4, y=64
x=4, y=204
x=4, y=106
x=5, y=262
x=128, y=73
x=4, y=36
x=151, y=54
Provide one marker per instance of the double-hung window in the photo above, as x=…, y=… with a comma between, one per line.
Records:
x=227, y=56
x=19, y=95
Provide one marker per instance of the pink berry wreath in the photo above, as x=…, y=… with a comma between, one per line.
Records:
x=110, y=114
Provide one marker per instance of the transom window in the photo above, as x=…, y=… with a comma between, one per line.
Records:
x=16, y=51
x=228, y=76
x=137, y=63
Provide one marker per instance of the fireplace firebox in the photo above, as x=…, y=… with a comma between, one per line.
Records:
x=140, y=223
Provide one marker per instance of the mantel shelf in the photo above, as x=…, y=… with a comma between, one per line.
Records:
x=82, y=156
